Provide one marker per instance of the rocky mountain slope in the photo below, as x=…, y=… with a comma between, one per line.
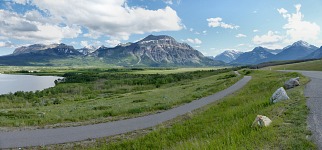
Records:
x=297, y=50
x=156, y=51
x=228, y=56
x=52, y=49
x=151, y=51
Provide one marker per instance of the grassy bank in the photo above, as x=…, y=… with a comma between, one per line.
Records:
x=309, y=65
x=105, y=95
x=227, y=124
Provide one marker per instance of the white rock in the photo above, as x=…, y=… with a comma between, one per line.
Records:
x=292, y=83
x=279, y=95
x=261, y=121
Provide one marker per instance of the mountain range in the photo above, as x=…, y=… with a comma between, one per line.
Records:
x=152, y=51
x=297, y=51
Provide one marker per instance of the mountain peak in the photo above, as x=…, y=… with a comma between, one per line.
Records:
x=301, y=43
x=259, y=48
x=157, y=37
x=228, y=56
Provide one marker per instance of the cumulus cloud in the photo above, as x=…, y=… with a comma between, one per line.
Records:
x=6, y=44
x=112, y=43
x=17, y=26
x=113, y=18
x=269, y=40
x=241, y=35
x=217, y=22
x=194, y=41
x=297, y=28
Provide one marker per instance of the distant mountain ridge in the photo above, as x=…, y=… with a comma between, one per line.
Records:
x=317, y=54
x=52, y=49
x=228, y=56
x=254, y=56
x=297, y=50
x=152, y=51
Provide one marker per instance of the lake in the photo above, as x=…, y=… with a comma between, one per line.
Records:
x=14, y=83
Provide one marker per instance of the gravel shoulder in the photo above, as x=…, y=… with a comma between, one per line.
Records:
x=313, y=93
x=42, y=137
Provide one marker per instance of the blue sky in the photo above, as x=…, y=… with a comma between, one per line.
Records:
x=210, y=26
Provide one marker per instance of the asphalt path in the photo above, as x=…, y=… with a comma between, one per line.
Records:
x=313, y=92
x=41, y=137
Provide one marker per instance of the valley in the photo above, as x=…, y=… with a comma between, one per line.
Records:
x=98, y=95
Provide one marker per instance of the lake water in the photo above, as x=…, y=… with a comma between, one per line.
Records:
x=14, y=83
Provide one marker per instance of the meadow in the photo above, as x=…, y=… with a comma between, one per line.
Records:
x=94, y=95
x=315, y=65
x=227, y=124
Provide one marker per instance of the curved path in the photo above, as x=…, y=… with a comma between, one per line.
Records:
x=42, y=137
x=313, y=92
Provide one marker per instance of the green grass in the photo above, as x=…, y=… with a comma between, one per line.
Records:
x=106, y=99
x=309, y=65
x=172, y=70
x=227, y=124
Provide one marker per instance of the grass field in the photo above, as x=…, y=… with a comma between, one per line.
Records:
x=173, y=70
x=309, y=65
x=109, y=96
x=227, y=124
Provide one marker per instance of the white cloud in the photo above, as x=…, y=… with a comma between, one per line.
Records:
x=113, y=18
x=17, y=26
x=255, y=30
x=112, y=43
x=217, y=22
x=269, y=40
x=204, y=32
x=168, y=2
x=282, y=11
x=191, y=29
x=84, y=43
x=194, y=41
x=22, y=2
x=239, y=45
x=20, y=27
x=241, y=35
x=298, y=29
x=6, y=44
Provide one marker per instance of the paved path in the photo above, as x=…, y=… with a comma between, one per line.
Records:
x=42, y=137
x=313, y=91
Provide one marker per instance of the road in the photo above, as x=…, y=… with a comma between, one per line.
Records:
x=313, y=92
x=41, y=137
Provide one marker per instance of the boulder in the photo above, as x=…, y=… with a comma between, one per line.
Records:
x=292, y=83
x=261, y=121
x=279, y=95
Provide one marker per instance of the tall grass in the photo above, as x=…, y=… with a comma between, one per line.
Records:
x=227, y=124
x=101, y=99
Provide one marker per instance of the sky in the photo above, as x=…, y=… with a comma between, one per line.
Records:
x=210, y=26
